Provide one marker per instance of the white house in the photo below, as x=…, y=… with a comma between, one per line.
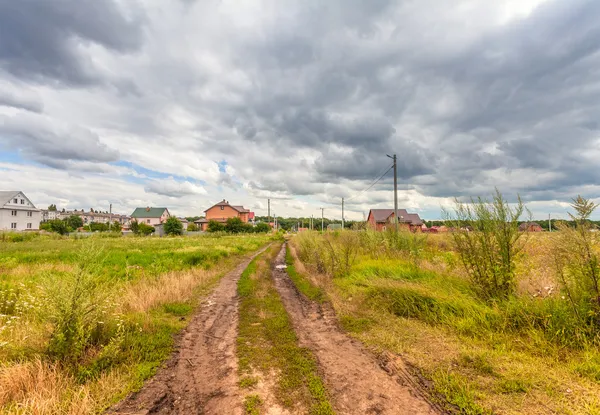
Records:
x=17, y=213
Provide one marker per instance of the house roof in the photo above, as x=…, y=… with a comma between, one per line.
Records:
x=382, y=215
x=240, y=209
x=148, y=212
x=6, y=195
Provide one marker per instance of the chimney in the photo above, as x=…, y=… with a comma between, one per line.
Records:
x=147, y=208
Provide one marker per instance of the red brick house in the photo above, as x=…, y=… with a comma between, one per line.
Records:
x=530, y=227
x=382, y=219
x=223, y=211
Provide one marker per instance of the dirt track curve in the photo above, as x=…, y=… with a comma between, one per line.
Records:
x=201, y=375
x=354, y=378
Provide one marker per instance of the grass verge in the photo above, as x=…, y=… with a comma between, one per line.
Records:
x=267, y=347
x=520, y=356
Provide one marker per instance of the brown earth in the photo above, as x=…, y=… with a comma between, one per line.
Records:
x=358, y=383
x=201, y=375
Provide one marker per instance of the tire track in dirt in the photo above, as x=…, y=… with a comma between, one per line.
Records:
x=200, y=377
x=355, y=379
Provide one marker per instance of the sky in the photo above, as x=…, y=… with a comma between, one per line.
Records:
x=188, y=102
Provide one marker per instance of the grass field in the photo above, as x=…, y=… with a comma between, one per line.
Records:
x=523, y=355
x=85, y=321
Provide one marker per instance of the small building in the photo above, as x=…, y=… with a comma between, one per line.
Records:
x=150, y=215
x=381, y=219
x=530, y=227
x=17, y=213
x=223, y=211
x=184, y=222
x=334, y=227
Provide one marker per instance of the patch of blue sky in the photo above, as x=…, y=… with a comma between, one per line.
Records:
x=154, y=174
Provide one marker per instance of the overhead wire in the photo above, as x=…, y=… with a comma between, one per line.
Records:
x=372, y=184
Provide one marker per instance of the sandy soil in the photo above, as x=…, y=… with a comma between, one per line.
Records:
x=357, y=381
x=201, y=375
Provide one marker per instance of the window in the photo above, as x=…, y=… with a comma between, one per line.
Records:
x=222, y=207
x=13, y=225
x=30, y=214
x=15, y=201
x=13, y=213
x=29, y=226
x=22, y=201
x=147, y=220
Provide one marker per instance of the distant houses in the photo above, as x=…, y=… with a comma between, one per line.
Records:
x=17, y=212
x=223, y=211
x=382, y=219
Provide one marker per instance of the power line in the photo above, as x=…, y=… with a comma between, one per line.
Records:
x=372, y=184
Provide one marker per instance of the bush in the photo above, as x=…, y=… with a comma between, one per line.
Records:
x=577, y=263
x=135, y=227
x=488, y=241
x=57, y=226
x=214, y=226
x=173, y=226
x=235, y=225
x=192, y=227
x=116, y=227
x=77, y=306
x=98, y=227
x=144, y=229
x=262, y=228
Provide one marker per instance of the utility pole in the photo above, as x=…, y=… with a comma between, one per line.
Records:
x=110, y=217
x=322, y=218
x=395, y=190
x=549, y=223
x=312, y=219
x=342, y=213
x=269, y=210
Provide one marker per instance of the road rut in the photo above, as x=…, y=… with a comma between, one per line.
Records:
x=356, y=382
x=201, y=375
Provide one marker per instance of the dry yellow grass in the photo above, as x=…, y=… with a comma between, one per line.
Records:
x=172, y=287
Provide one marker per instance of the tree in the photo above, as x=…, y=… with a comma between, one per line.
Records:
x=116, y=226
x=135, y=227
x=52, y=208
x=192, y=227
x=214, y=226
x=74, y=221
x=173, y=226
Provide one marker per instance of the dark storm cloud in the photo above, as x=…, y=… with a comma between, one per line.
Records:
x=42, y=39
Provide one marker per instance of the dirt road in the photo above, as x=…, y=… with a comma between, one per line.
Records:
x=201, y=375
x=355, y=380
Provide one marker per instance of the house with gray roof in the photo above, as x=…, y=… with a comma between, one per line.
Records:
x=17, y=212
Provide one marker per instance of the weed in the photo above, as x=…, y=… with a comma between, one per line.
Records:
x=252, y=404
x=248, y=382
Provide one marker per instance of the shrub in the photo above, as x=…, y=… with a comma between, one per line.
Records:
x=173, y=226
x=74, y=221
x=98, y=227
x=57, y=226
x=144, y=229
x=135, y=227
x=235, y=225
x=77, y=305
x=192, y=227
x=116, y=227
x=488, y=241
x=262, y=228
x=577, y=263
x=214, y=226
